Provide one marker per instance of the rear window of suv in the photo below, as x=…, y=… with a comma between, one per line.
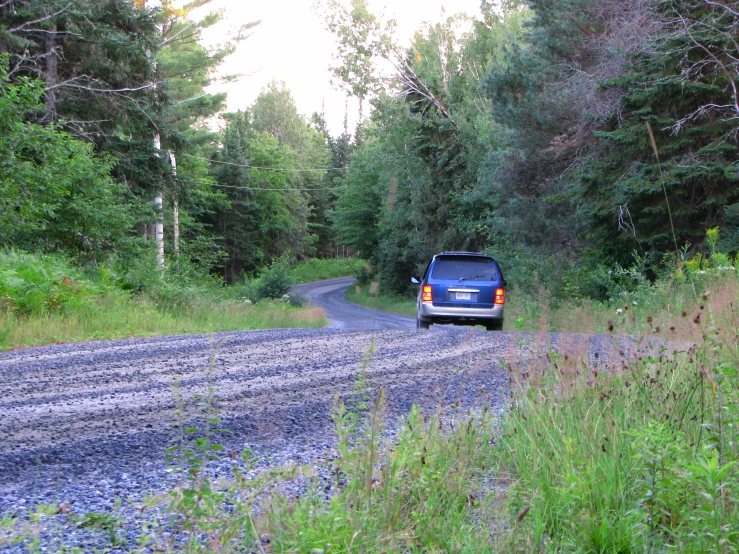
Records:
x=465, y=268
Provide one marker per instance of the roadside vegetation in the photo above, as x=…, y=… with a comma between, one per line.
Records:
x=315, y=269
x=395, y=303
x=47, y=299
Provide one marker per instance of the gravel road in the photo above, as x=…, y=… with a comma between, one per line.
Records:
x=345, y=315
x=86, y=425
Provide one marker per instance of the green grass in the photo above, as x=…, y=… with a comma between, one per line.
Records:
x=113, y=317
x=638, y=458
x=45, y=299
x=319, y=269
x=396, y=304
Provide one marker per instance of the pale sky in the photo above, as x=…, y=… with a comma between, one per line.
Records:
x=292, y=45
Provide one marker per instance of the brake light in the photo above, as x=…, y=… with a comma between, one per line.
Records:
x=426, y=295
x=500, y=296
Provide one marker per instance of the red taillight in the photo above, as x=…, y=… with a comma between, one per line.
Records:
x=426, y=295
x=500, y=296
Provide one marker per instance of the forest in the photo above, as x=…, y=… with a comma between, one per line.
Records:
x=572, y=139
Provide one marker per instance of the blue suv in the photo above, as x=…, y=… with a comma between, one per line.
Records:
x=463, y=288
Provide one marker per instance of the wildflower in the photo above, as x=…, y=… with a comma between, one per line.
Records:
x=619, y=311
x=634, y=303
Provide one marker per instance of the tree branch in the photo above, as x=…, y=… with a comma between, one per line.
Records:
x=718, y=61
x=69, y=84
x=583, y=29
x=45, y=18
x=720, y=5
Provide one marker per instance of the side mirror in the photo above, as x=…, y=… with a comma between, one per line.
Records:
x=415, y=281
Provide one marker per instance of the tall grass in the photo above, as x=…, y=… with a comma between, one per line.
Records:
x=635, y=456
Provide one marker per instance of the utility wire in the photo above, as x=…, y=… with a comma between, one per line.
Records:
x=266, y=168
x=278, y=190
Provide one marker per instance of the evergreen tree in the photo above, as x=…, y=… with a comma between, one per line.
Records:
x=685, y=87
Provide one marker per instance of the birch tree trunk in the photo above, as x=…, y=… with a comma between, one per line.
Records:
x=158, y=208
x=175, y=208
x=50, y=74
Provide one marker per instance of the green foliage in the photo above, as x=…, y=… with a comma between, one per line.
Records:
x=57, y=195
x=315, y=269
x=362, y=38
x=410, y=190
x=275, y=281
x=32, y=284
x=268, y=209
x=46, y=299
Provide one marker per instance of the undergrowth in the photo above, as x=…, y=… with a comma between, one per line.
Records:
x=45, y=299
x=316, y=269
x=403, y=305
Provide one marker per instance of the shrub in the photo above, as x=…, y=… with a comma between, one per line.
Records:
x=33, y=283
x=274, y=282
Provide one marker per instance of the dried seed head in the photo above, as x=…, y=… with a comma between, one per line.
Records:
x=649, y=319
x=684, y=314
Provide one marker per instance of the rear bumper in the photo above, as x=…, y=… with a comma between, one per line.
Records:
x=428, y=311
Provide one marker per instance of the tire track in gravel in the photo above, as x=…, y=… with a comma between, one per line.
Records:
x=105, y=397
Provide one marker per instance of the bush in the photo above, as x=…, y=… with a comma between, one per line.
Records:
x=274, y=282
x=34, y=283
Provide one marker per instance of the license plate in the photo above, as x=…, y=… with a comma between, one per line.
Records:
x=463, y=296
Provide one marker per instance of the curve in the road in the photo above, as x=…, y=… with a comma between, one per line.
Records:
x=341, y=314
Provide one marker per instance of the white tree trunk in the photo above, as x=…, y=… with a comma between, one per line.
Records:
x=175, y=208
x=158, y=208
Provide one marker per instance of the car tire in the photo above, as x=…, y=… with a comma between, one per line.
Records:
x=422, y=324
x=494, y=325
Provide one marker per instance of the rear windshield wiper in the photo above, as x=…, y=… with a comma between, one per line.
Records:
x=473, y=277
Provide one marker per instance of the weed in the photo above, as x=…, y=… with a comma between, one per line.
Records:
x=214, y=518
x=106, y=522
x=44, y=510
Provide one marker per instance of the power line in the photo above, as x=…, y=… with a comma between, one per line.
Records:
x=267, y=168
x=278, y=190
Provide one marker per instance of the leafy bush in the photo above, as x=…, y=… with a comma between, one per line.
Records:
x=274, y=282
x=31, y=283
